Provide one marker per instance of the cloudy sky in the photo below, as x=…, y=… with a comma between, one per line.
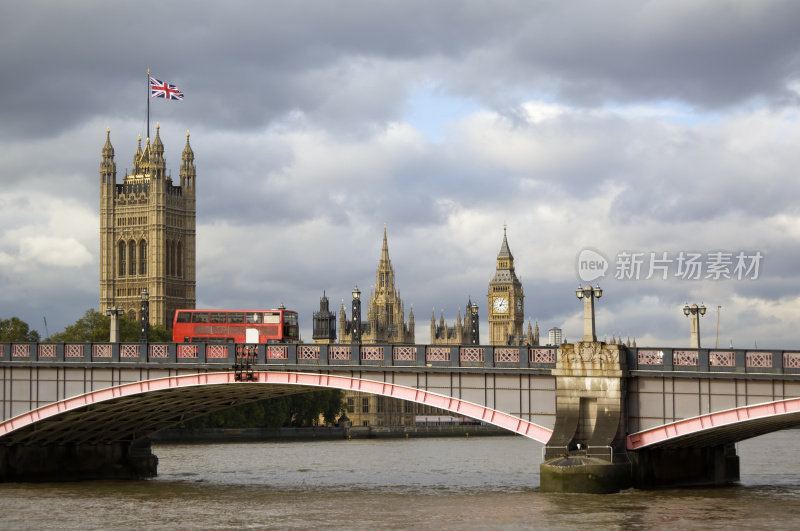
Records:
x=658, y=137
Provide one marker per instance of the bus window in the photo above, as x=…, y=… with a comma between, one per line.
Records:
x=218, y=317
x=272, y=318
x=184, y=317
x=200, y=317
x=253, y=317
x=236, y=317
x=290, y=318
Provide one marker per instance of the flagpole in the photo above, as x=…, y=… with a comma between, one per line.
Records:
x=148, y=105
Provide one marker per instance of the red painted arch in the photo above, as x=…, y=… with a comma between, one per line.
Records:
x=462, y=407
x=714, y=421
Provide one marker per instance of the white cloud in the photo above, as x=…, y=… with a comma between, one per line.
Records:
x=53, y=251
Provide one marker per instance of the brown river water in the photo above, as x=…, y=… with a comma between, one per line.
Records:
x=441, y=483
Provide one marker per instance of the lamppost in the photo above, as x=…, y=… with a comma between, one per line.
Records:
x=356, y=315
x=695, y=311
x=588, y=294
x=113, y=333
x=144, y=316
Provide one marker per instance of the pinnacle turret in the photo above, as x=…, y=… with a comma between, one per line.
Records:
x=188, y=172
x=108, y=168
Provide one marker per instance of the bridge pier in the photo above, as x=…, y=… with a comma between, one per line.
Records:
x=74, y=462
x=586, y=452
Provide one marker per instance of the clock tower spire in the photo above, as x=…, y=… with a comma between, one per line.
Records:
x=506, y=300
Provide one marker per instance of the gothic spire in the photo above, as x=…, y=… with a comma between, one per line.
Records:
x=385, y=250
x=188, y=154
x=188, y=171
x=108, y=149
x=108, y=168
x=384, y=276
x=505, y=252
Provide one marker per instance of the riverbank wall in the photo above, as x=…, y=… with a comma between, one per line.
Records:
x=177, y=435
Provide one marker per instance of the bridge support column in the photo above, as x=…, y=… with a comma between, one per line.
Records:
x=586, y=452
x=72, y=462
x=683, y=467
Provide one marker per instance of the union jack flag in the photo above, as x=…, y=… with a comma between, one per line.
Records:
x=159, y=89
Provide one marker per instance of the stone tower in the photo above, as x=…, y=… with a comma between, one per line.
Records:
x=506, y=301
x=324, y=323
x=147, y=233
x=385, y=314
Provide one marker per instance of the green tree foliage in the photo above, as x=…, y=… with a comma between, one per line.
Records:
x=95, y=328
x=15, y=329
x=302, y=410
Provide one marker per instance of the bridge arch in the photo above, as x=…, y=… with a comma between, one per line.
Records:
x=721, y=427
x=131, y=411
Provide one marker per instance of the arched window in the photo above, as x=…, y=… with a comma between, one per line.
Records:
x=180, y=260
x=122, y=259
x=142, y=257
x=132, y=257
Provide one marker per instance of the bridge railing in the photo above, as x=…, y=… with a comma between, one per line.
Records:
x=509, y=357
x=714, y=360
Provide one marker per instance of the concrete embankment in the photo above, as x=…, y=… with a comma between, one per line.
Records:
x=321, y=433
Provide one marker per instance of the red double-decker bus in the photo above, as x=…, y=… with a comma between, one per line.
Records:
x=235, y=326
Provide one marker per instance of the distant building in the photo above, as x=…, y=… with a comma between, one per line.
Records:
x=147, y=233
x=532, y=336
x=554, y=336
x=324, y=323
x=364, y=409
x=506, y=301
x=385, y=322
x=461, y=333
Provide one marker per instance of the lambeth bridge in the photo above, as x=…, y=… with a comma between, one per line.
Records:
x=643, y=417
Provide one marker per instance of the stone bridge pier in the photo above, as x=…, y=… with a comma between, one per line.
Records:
x=75, y=462
x=587, y=450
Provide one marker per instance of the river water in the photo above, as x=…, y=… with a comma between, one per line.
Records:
x=442, y=483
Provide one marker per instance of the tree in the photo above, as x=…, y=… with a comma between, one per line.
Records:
x=17, y=330
x=294, y=410
x=95, y=328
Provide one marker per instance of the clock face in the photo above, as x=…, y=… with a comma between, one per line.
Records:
x=519, y=305
x=500, y=305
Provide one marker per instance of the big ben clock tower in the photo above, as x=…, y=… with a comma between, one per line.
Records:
x=506, y=301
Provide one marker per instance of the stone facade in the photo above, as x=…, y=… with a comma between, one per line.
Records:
x=461, y=333
x=147, y=233
x=385, y=322
x=532, y=335
x=365, y=409
x=506, y=301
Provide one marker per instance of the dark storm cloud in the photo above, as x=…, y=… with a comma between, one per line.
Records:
x=709, y=54
x=244, y=65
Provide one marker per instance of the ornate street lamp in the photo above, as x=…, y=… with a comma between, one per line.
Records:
x=356, y=316
x=588, y=294
x=113, y=332
x=695, y=312
x=144, y=317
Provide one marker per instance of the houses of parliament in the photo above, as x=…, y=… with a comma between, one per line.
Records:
x=147, y=244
